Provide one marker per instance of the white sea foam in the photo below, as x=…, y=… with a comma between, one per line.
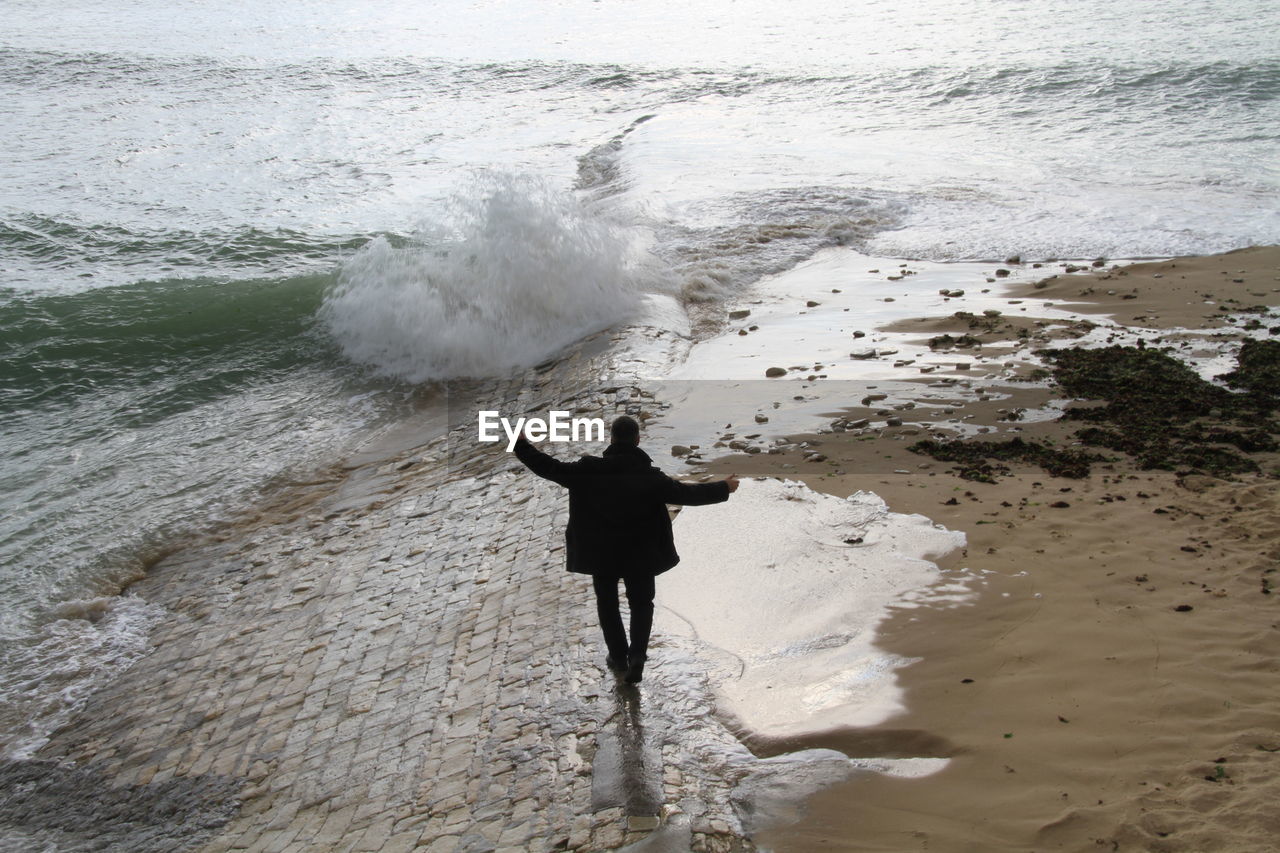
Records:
x=783, y=588
x=519, y=273
x=50, y=677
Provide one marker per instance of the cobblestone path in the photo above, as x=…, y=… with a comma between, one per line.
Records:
x=401, y=664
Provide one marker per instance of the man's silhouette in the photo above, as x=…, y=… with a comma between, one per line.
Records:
x=619, y=529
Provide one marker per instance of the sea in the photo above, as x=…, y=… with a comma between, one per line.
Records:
x=240, y=240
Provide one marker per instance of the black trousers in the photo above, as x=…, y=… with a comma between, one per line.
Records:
x=640, y=590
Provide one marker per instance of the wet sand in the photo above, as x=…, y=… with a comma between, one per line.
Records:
x=1112, y=684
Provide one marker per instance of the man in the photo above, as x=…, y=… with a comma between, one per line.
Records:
x=619, y=529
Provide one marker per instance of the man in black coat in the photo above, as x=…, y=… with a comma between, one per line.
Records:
x=619, y=529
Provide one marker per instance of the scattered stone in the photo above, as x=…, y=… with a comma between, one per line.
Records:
x=740, y=315
x=775, y=371
x=680, y=450
x=948, y=342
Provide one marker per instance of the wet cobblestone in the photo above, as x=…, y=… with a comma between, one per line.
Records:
x=401, y=665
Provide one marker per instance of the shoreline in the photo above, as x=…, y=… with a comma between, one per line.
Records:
x=268, y=621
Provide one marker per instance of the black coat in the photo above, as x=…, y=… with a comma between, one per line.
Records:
x=618, y=520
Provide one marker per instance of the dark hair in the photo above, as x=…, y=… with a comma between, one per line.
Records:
x=624, y=431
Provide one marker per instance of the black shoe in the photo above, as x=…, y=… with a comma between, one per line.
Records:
x=635, y=671
x=616, y=666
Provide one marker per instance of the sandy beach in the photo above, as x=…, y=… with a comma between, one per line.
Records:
x=1112, y=686
x=391, y=658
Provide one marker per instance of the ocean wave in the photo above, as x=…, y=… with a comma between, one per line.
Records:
x=1253, y=80
x=176, y=343
x=51, y=243
x=767, y=232
x=21, y=67
x=1162, y=87
x=600, y=169
x=46, y=677
x=517, y=273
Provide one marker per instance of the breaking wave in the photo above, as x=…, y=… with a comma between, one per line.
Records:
x=517, y=273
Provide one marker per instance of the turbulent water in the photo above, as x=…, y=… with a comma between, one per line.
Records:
x=235, y=238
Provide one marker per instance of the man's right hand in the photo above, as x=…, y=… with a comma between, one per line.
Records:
x=732, y=480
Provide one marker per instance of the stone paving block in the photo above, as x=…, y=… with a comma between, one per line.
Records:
x=441, y=844
x=375, y=837
x=335, y=826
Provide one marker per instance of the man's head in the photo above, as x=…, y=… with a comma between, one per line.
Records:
x=624, y=432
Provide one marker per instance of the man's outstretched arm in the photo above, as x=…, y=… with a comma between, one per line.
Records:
x=544, y=466
x=694, y=494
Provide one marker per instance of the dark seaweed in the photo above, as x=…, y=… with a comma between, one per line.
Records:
x=1150, y=406
x=1257, y=370
x=973, y=457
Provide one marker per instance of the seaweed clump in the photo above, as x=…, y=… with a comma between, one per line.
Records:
x=974, y=458
x=1257, y=373
x=1149, y=405
x=1159, y=411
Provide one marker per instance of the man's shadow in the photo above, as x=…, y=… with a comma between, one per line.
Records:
x=627, y=771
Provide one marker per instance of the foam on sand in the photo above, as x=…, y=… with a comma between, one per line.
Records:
x=782, y=588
